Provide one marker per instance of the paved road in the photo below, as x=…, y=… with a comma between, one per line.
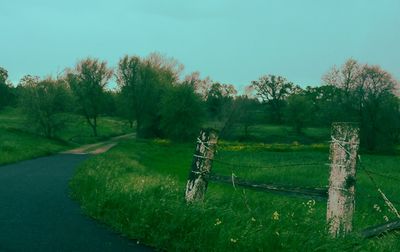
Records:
x=36, y=213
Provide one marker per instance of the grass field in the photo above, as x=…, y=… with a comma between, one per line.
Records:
x=272, y=133
x=138, y=189
x=18, y=141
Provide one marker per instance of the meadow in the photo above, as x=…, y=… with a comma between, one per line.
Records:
x=138, y=189
x=19, y=141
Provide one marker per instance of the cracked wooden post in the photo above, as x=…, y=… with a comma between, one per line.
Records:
x=343, y=156
x=201, y=165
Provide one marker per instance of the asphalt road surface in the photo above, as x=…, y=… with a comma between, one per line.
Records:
x=36, y=213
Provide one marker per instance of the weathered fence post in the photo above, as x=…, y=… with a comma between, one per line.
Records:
x=343, y=156
x=201, y=165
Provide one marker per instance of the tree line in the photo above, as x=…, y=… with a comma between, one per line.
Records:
x=156, y=102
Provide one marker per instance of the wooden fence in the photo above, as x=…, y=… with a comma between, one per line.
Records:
x=340, y=194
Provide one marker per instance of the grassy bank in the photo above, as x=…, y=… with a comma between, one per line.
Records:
x=18, y=141
x=137, y=188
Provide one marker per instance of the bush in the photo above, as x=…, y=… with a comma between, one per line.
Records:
x=43, y=103
x=181, y=113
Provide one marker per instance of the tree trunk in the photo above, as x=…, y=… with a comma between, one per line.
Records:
x=95, y=126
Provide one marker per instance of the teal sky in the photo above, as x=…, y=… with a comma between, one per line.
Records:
x=231, y=41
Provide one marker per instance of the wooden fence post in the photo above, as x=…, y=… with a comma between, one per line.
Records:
x=343, y=156
x=201, y=165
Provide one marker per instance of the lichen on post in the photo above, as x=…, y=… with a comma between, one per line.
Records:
x=343, y=156
x=201, y=165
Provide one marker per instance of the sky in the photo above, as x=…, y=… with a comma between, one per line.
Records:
x=231, y=41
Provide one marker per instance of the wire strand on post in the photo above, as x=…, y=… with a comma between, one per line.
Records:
x=385, y=198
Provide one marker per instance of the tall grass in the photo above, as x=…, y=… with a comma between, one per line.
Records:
x=137, y=188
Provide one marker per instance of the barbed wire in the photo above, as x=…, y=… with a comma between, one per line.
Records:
x=387, y=201
x=232, y=165
x=364, y=195
x=382, y=175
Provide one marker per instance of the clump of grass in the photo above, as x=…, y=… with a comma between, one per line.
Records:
x=137, y=188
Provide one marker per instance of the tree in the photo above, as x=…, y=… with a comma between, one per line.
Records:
x=219, y=100
x=43, y=101
x=142, y=83
x=324, y=102
x=245, y=112
x=298, y=111
x=273, y=90
x=374, y=93
x=368, y=95
x=181, y=113
x=201, y=86
x=6, y=94
x=88, y=82
x=128, y=79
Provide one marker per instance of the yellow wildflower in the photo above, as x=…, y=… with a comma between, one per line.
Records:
x=275, y=216
x=217, y=222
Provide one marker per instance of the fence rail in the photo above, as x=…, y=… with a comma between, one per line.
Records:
x=381, y=229
x=296, y=191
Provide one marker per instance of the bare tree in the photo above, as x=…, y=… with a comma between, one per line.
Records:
x=201, y=86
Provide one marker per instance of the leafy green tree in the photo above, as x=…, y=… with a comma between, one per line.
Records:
x=324, y=101
x=245, y=113
x=298, y=111
x=181, y=113
x=273, y=90
x=128, y=79
x=88, y=82
x=6, y=91
x=43, y=101
x=368, y=95
x=142, y=84
x=219, y=101
x=110, y=106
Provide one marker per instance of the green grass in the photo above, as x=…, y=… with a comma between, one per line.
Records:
x=16, y=146
x=138, y=188
x=268, y=133
x=18, y=141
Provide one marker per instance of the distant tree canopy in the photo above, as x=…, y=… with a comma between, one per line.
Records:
x=152, y=96
x=88, y=81
x=273, y=90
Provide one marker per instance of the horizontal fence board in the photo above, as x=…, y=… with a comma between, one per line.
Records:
x=381, y=229
x=295, y=191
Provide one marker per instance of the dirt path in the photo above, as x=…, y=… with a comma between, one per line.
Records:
x=101, y=147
